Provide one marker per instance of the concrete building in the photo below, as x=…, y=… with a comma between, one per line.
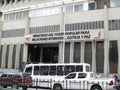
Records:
x=60, y=31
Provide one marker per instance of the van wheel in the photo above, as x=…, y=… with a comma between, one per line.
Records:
x=96, y=88
x=57, y=87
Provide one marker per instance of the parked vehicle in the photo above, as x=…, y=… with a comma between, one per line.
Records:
x=82, y=81
x=16, y=80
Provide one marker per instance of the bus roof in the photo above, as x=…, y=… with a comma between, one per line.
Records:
x=32, y=64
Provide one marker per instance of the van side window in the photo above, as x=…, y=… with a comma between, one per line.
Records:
x=71, y=76
x=52, y=70
x=44, y=70
x=60, y=70
x=36, y=70
x=4, y=75
x=82, y=75
x=29, y=70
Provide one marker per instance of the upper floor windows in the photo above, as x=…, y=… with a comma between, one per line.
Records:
x=114, y=3
x=91, y=6
x=15, y=16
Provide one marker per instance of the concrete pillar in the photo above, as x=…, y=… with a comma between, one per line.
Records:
x=41, y=54
x=61, y=52
x=16, y=1
x=3, y=56
x=106, y=42
x=71, y=52
x=82, y=51
x=94, y=56
x=17, y=57
x=118, y=56
x=25, y=53
x=106, y=57
x=10, y=57
x=5, y=2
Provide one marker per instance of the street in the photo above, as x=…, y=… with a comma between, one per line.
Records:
x=9, y=88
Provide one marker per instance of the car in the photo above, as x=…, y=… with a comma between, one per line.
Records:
x=16, y=80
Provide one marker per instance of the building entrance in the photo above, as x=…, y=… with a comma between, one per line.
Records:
x=43, y=53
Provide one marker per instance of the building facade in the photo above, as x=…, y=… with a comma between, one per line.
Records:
x=60, y=31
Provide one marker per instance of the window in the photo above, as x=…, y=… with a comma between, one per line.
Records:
x=79, y=68
x=69, y=69
x=77, y=49
x=60, y=70
x=29, y=70
x=82, y=75
x=113, y=56
x=78, y=8
x=88, y=52
x=44, y=70
x=114, y=3
x=71, y=76
x=36, y=70
x=91, y=6
x=69, y=9
x=52, y=70
x=99, y=56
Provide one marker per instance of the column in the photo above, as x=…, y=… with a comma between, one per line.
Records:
x=5, y=2
x=10, y=57
x=41, y=54
x=16, y=1
x=106, y=42
x=94, y=56
x=25, y=53
x=61, y=52
x=82, y=51
x=119, y=56
x=3, y=56
x=17, y=56
x=106, y=57
x=71, y=52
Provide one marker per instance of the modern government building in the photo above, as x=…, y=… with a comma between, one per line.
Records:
x=60, y=31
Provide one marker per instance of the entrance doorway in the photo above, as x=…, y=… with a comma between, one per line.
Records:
x=50, y=54
x=33, y=53
x=45, y=53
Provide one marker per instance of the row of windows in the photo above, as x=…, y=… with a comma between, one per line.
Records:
x=15, y=16
x=55, y=70
x=8, y=1
x=114, y=24
x=13, y=33
x=44, y=29
x=47, y=11
x=85, y=25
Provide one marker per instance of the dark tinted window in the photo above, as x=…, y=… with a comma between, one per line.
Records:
x=60, y=70
x=70, y=76
x=28, y=70
x=82, y=75
x=36, y=70
x=44, y=70
x=79, y=68
x=4, y=75
x=52, y=70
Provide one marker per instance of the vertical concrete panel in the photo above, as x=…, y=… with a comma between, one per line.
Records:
x=94, y=56
x=4, y=56
x=10, y=57
x=82, y=51
x=71, y=51
x=17, y=56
